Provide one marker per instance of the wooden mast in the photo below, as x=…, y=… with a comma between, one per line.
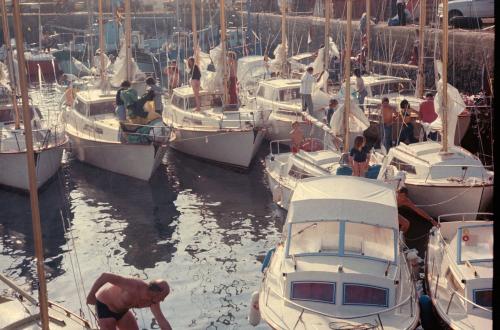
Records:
x=28, y=134
x=102, y=69
x=347, y=75
x=444, y=77
x=327, y=33
x=128, y=39
x=223, y=47
x=420, y=71
x=10, y=63
x=368, y=32
x=284, y=48
x=195, y=32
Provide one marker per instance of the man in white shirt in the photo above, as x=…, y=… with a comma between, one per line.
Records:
x=306, y=87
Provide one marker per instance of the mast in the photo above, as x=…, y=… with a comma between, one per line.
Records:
x=284, y=48
x=10, y=61
x=327, y=34
x=28, y=133
x=347, y=75
x=368, y=32
x=195, y=32
x=223, y=46
x=128, y=39
x=445, y=76
x=420, y=71
x=102, y=69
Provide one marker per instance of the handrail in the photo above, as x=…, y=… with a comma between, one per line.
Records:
x=448, y=215
x=467, y=301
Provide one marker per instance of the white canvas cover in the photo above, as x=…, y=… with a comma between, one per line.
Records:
x=455, y=104
x=344, y=198
x=358, y=121
x=277, y=63
x=120, y=69
x=318, y=64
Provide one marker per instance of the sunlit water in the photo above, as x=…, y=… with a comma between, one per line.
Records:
x=203, y=228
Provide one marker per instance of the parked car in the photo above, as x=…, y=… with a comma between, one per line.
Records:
x=469, y=8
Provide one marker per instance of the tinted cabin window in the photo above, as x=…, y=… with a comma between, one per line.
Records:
x=101, y=108
x=80, y=107
x=357, y=294
x=6, y=115
x=314, y=291
x=483, y=297
x=289, y=94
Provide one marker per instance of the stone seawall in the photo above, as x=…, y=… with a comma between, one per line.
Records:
x=470, y=52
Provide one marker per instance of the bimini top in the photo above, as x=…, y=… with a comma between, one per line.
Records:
x=344, y=198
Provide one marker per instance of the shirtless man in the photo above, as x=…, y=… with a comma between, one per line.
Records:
x=404, y=201
x=388, y=112
x=114, y=296
x=297, y=137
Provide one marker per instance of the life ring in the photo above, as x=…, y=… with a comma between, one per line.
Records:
x=465, y=238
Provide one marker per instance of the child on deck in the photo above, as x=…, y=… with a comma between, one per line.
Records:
x=359, y=156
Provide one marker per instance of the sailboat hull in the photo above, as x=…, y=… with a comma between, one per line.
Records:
x=438, y=200
x=15, y=166
x=135, y=160
x=234, y=148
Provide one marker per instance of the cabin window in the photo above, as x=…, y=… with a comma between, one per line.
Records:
x=205, y=101
x=483, y=297
x=298, y=173
x=314, y=237
x=101, y=108
x=289, y=94
x=475, y=243
x=80, y=107
x=403, y=166
x=314, y=291
x=178, y=102
x=359, y=294
x=370, y=241
x=6, y=115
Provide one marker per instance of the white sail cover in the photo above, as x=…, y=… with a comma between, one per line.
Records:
x=213, y=81
x=337, y=197
x=319, y=96
x=4, y=75
x=319, y=63
x=455, y=103
x=82, y=68
x=358, y=121
x=276, y=64
x=120, y=69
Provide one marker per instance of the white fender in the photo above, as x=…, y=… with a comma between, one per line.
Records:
x=254, y=313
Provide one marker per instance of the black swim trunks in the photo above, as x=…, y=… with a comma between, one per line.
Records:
x=103, y=311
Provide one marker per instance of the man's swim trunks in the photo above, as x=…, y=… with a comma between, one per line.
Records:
x=104, y=312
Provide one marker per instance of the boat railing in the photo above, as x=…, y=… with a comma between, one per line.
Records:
x=53, y=136
x=406, y=301
x=277, y=144
x=154, y=133
x=467, y=302
x=473, y=215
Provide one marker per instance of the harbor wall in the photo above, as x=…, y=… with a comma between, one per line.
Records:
x=471, y=53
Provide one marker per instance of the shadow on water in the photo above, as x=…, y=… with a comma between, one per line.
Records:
x=16, y=231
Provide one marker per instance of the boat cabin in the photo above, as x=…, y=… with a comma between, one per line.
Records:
x=424, y=162
x=279, y=95
x=183, y=99
x=342, y=244
x=93, y=103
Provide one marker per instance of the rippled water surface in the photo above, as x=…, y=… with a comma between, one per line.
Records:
x=203, y=228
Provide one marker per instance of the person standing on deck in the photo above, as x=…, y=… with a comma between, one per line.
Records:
x=172, y=72
x=232, y=63
x=120, y=105
x=427, y=114
x=387, y=112
x=297, y=136
x=330, y=110
x=195, y=75
x=157, y=92
x=114, y=295
x=361, y=88
x=306, y=87
x=401, y=5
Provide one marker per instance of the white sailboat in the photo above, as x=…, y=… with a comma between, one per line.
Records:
x=459, y=270
x=340, y=263
x=19, y=310
x=49, y=139
x=442, y=178
x=99, y=138
x=219, y=133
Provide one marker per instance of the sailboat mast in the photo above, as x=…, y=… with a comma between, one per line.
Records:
x=284, y=48
x=445, y=76
x=327, y=34
x=102, y=69
x=128, y=39
x=195, y=32
x=35, y=212
x=10, y=62
x=368, y=32
x=420, y=78
x=347, y=75
x=223, y=46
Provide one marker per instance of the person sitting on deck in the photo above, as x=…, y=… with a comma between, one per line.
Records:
x=407, y=134
x=114, y=295
x=297, y=136
x=359, y=157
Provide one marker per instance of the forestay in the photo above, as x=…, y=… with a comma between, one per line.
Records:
x=344, y=198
